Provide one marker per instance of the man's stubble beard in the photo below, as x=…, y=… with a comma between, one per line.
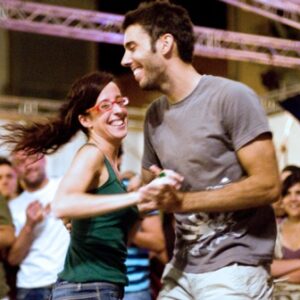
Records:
x=155, y=79
x=36, y=184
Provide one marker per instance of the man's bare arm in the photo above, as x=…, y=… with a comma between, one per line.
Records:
x=23, y=242
x=260, y=187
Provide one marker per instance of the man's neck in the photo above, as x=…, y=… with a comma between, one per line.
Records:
x=182, y=84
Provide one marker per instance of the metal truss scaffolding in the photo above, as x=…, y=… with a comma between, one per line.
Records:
x=104, y=27
x=284, y=11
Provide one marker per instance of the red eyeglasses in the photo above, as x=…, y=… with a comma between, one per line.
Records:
x=106, y=105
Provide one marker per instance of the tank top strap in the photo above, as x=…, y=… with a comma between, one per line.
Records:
x=111, y=173
x=108, y=165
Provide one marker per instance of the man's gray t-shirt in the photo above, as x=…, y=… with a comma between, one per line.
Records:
x=198, y=138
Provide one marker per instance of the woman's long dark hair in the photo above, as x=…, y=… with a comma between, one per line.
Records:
x=48, y=137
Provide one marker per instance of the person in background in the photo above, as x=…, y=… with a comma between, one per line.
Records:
x=278, y=206
x=7, y=237
x=286, y=265
x=9, y=189
x=91, y=194
x=42, y=240
x=148, y=242
x=9, y=186
x=219, y=130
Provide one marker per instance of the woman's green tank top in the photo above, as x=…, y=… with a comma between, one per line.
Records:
x=98, y=246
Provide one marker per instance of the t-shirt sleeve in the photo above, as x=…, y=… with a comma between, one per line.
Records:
x=244, y=118
x=5, y=216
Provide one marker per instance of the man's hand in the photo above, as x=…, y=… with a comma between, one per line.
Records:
x=162, y=196
x=173, y=178
x=161, y=193
x=35, y=213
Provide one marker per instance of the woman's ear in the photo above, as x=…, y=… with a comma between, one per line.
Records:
x=85, y=121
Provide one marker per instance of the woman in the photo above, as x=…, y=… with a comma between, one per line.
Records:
x=286, y=267
x=91, y=193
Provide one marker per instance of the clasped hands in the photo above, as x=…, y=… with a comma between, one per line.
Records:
x=162, y=192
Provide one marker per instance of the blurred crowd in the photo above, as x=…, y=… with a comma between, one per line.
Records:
x=34, y=243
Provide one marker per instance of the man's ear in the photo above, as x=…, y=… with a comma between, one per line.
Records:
x=166, y=43
x=85, y=121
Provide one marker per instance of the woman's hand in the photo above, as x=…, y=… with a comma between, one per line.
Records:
x=161, y=193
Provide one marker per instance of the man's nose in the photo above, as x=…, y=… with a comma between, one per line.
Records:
x=126, y=61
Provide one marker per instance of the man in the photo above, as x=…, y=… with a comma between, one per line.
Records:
x=8, y=180
x=6, y=239
x=214, y=132
x=42, y=240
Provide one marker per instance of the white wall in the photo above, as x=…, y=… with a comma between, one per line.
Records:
x=133, y=150
x=286, y=134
